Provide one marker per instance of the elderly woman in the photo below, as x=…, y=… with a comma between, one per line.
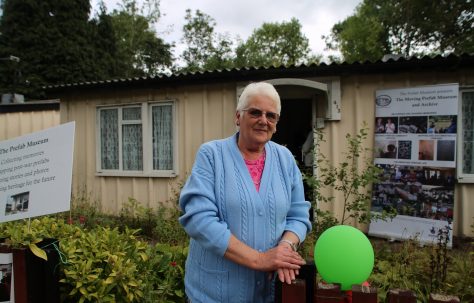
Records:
x=244, y=208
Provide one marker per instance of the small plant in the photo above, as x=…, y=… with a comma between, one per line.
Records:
x=30, y=233
x=400, y=266
x=352, y=178
x=167, y=282
x=134, y=215
x=439, y=261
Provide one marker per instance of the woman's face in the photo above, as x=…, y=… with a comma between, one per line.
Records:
x=257, y=129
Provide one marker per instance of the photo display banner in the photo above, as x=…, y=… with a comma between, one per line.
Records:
x=415, y=146
x=36, y=173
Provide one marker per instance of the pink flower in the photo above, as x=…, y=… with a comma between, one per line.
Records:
x=173, y=264
x=70, y=221
x=82, y=219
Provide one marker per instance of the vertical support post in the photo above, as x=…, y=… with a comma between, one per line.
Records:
x=329, y=293
x=401, y=296
x=364, y=294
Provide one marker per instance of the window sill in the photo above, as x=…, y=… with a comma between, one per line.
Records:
x=164, y=174
x=465, y=179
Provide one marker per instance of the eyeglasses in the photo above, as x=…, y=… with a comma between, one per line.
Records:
x=256, y=113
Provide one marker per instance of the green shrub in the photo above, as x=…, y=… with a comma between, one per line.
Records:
x=103, y=264
x=167, y=229
x=166, y=285
x=407, y=265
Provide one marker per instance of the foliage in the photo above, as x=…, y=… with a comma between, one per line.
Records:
x=30, y=233
x=206, y=49
x=439, y=260
x=104, y=264
x=140, y=51
x=85, y=211
x=400, y=267
x=404, y=27
x=136, y=216
x=359, y=39
x=167, y=284
x=167, y=228
x=274, y=44
x=352, y=178
x=59, y=42
x=408, y=265
x=51, y=40
x=154, y=224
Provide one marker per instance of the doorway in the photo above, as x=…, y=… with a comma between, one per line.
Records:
x=294, y=125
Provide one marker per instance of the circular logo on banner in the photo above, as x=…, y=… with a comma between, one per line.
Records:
x=383, y=100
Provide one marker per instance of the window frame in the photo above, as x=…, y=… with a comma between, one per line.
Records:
x=462, y=177
x=147, y=140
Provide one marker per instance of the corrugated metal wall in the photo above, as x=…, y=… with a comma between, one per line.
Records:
x=203, y=113
x=206, y=112
x=21, y=123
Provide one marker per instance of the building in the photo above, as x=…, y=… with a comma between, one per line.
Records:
x=17, y=119
x=138, y=137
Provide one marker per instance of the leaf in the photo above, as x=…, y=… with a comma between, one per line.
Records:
x=144, y=256
x=40, y=253
x=133, y=283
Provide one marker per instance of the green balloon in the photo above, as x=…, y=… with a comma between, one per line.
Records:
x=343, y=254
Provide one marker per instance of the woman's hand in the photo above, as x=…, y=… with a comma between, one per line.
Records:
x=287, y=275
x=280, y=257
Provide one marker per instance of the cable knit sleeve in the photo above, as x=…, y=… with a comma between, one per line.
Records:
x=297, y=219
x=200, y=216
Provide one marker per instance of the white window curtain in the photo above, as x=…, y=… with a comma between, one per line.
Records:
x=132, y=148
x=468, y=132
x=109, y=142
x=162, y=120
x=132, y=151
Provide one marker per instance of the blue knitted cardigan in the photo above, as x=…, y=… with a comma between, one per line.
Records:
x=220, y=199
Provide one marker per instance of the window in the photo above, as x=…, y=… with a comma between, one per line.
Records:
x=137, y=140
x=466, y=137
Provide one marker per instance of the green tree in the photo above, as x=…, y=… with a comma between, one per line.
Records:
x=104, y=40
x=359, y=39
x=274, y=44
x=206, y=49
x=405, y=27
x=139, y=50
x=50, y=38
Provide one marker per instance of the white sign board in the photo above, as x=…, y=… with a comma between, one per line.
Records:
x=36, y=173
x=415, y=145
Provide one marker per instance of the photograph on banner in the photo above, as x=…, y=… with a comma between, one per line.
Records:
x=33, y=167
x=442, y=125
x=415, y=146
x=417, y=191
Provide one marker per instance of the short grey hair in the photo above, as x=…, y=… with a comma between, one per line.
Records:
x=258, y=89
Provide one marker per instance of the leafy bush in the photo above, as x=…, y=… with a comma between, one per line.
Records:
x=104, y=264
x=166, y=285
x=407, y=265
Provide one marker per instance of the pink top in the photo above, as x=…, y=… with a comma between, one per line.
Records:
x=255, y=168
